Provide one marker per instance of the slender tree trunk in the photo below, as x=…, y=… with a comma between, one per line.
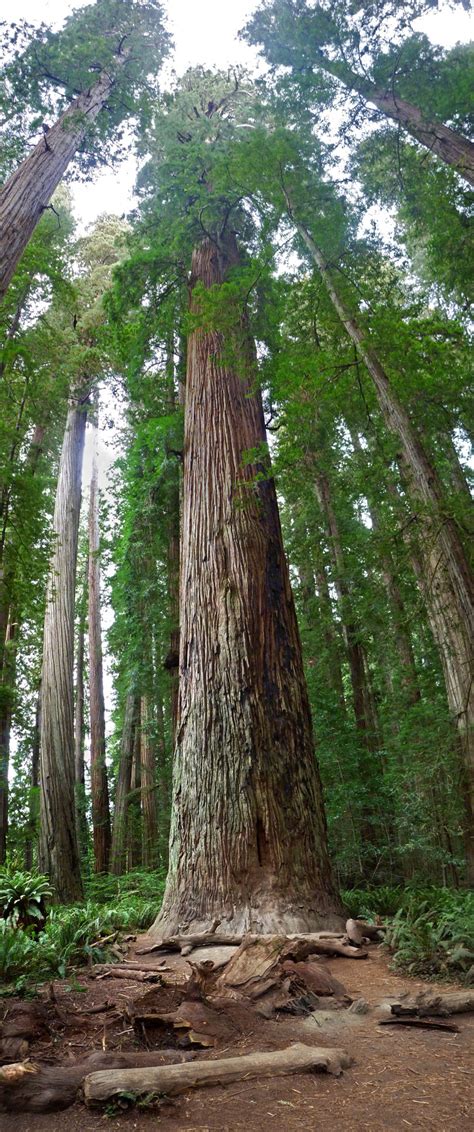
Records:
x=437, y=599
x=7, y=679
x=174, y=538
x=172, y=660
x=99, y=784
x=33, y=805
x=118, y=854
x=163, y=778
x=401, y=632
x=148, y=786
x=59, y=852
x=27, y=193
x=134, y=812
x=248, y=834
x=447, y=144
x=79, y=732
x=351, y=631
x=448, y=584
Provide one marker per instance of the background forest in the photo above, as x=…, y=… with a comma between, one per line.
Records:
x=342, y=167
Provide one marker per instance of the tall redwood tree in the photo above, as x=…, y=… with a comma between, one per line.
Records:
x=248, y=847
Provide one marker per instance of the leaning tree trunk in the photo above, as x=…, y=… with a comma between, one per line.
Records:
x=450, y=146
x=449, y=588
x=248, y=844
x=99, y=785
x=447, y=144
x=58, y=850
x=27, y=193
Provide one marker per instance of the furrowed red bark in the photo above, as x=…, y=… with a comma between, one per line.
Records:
x=99, y=785
x=27, y=193
x=58, y=850
x=248, y=835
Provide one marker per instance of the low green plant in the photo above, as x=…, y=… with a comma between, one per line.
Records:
x=23, y=898
x=430, y=930
x=81, y=933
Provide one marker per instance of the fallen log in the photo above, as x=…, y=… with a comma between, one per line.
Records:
x=187, y=943
x=177, y=942
x=423, y=1023
x=433, y=1002
x=174, y=1079
x=114, y=971
x=29, y=1087
x=300, y=946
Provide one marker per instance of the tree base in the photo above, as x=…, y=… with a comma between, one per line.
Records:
x=280, y=920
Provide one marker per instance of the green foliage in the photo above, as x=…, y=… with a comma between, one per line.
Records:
x=22, y=898
x=430, y=930
x=80, y=934
x=45, y=69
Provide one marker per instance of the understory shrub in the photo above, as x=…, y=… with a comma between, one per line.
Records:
x=80, y=933
x=430, y=930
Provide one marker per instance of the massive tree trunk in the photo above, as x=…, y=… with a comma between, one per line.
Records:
x=27, y=193
x=118, y=853
x=448, y=584
x=59, y=852
x=248, y=844
x=99, y=785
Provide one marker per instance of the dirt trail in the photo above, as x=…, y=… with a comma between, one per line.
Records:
x=401, y=1078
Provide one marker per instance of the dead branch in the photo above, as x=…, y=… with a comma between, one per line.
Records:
x=423, y=1023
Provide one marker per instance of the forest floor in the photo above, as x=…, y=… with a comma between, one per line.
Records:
x=401, y=1077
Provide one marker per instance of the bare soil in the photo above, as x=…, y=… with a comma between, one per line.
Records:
x=401, y=1078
